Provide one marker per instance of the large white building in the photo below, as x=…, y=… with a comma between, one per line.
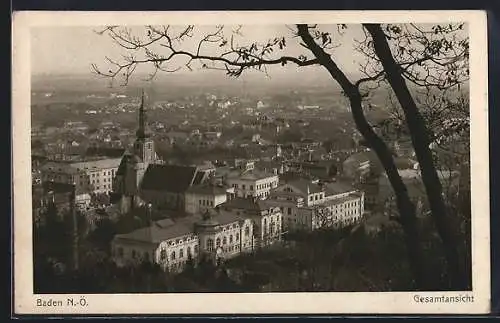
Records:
x=308, y=205
x=249, y=181
x=267, y=219
x=92, y=175
x=215, y=235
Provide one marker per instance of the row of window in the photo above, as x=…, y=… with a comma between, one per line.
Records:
x=263, y=194
x=316, y=197
x=173, y=255
x=259, y=186
x=109, y=173
x=104, y=187
x=224, y=240
x=206, y=203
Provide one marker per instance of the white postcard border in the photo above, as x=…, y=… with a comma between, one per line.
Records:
x=25, y=302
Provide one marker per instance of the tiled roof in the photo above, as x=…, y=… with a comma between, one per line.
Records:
x=105, y=151
x=57, y=187
x=240, y=203
x=198, y=178
x=170, y=178
x=363, y=157
x=207, y=189
x=303, y=184
x=122, y=167
x=225, y=217
x=160, y=231
x=252, y=174
x=59, y=166
x=104, y=163
x=338, y=188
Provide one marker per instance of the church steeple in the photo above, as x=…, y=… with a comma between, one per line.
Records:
x=144, y=145
x=141, y=131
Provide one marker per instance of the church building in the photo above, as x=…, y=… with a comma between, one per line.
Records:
x=142, y=177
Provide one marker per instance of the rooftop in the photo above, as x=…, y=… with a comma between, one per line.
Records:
x=105, y=151
x=207, y=190
x=251, y=174
x=104, y=163
x=170, y=178
x=338, y=187
x=57, y=188
x=305, y=185
x=241, y=203
x=160, y=231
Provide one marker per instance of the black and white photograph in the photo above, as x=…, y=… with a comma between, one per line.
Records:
x=216, y=157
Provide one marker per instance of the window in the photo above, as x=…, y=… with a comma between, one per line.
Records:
x=237, y=237
x=211, y=203
x=217, y=242
x=189, y=251
x=251, y=187
x=133, y=253
x=289, y=211
x=243, y=186
x=210, y=244
x=181, y=253
x=310, y=198
x=231, y=239
x=163, y=254
x=199, y=201
x=224, y=240
x=173, y=255
x=196, y=249
x=247, y=231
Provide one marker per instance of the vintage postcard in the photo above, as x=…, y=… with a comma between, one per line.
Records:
x=316, y=162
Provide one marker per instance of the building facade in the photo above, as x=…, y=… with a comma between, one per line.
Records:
x=92, y=176
x=215, y=235
x=203, y=197
x=308, y=206
x=267, y=219
x=251, y=182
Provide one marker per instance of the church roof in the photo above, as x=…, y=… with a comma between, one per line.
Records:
x=170, y=178
x=122, y=168
x=198, y=178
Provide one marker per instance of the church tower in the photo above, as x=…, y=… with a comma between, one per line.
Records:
x=134, y=165
x=144, y=145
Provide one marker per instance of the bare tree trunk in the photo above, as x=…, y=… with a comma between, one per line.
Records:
x=405, y=206
x=420, y=140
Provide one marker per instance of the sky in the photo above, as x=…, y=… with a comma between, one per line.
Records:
x=72, y=50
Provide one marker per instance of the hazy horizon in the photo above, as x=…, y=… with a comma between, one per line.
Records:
x=72, y=50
